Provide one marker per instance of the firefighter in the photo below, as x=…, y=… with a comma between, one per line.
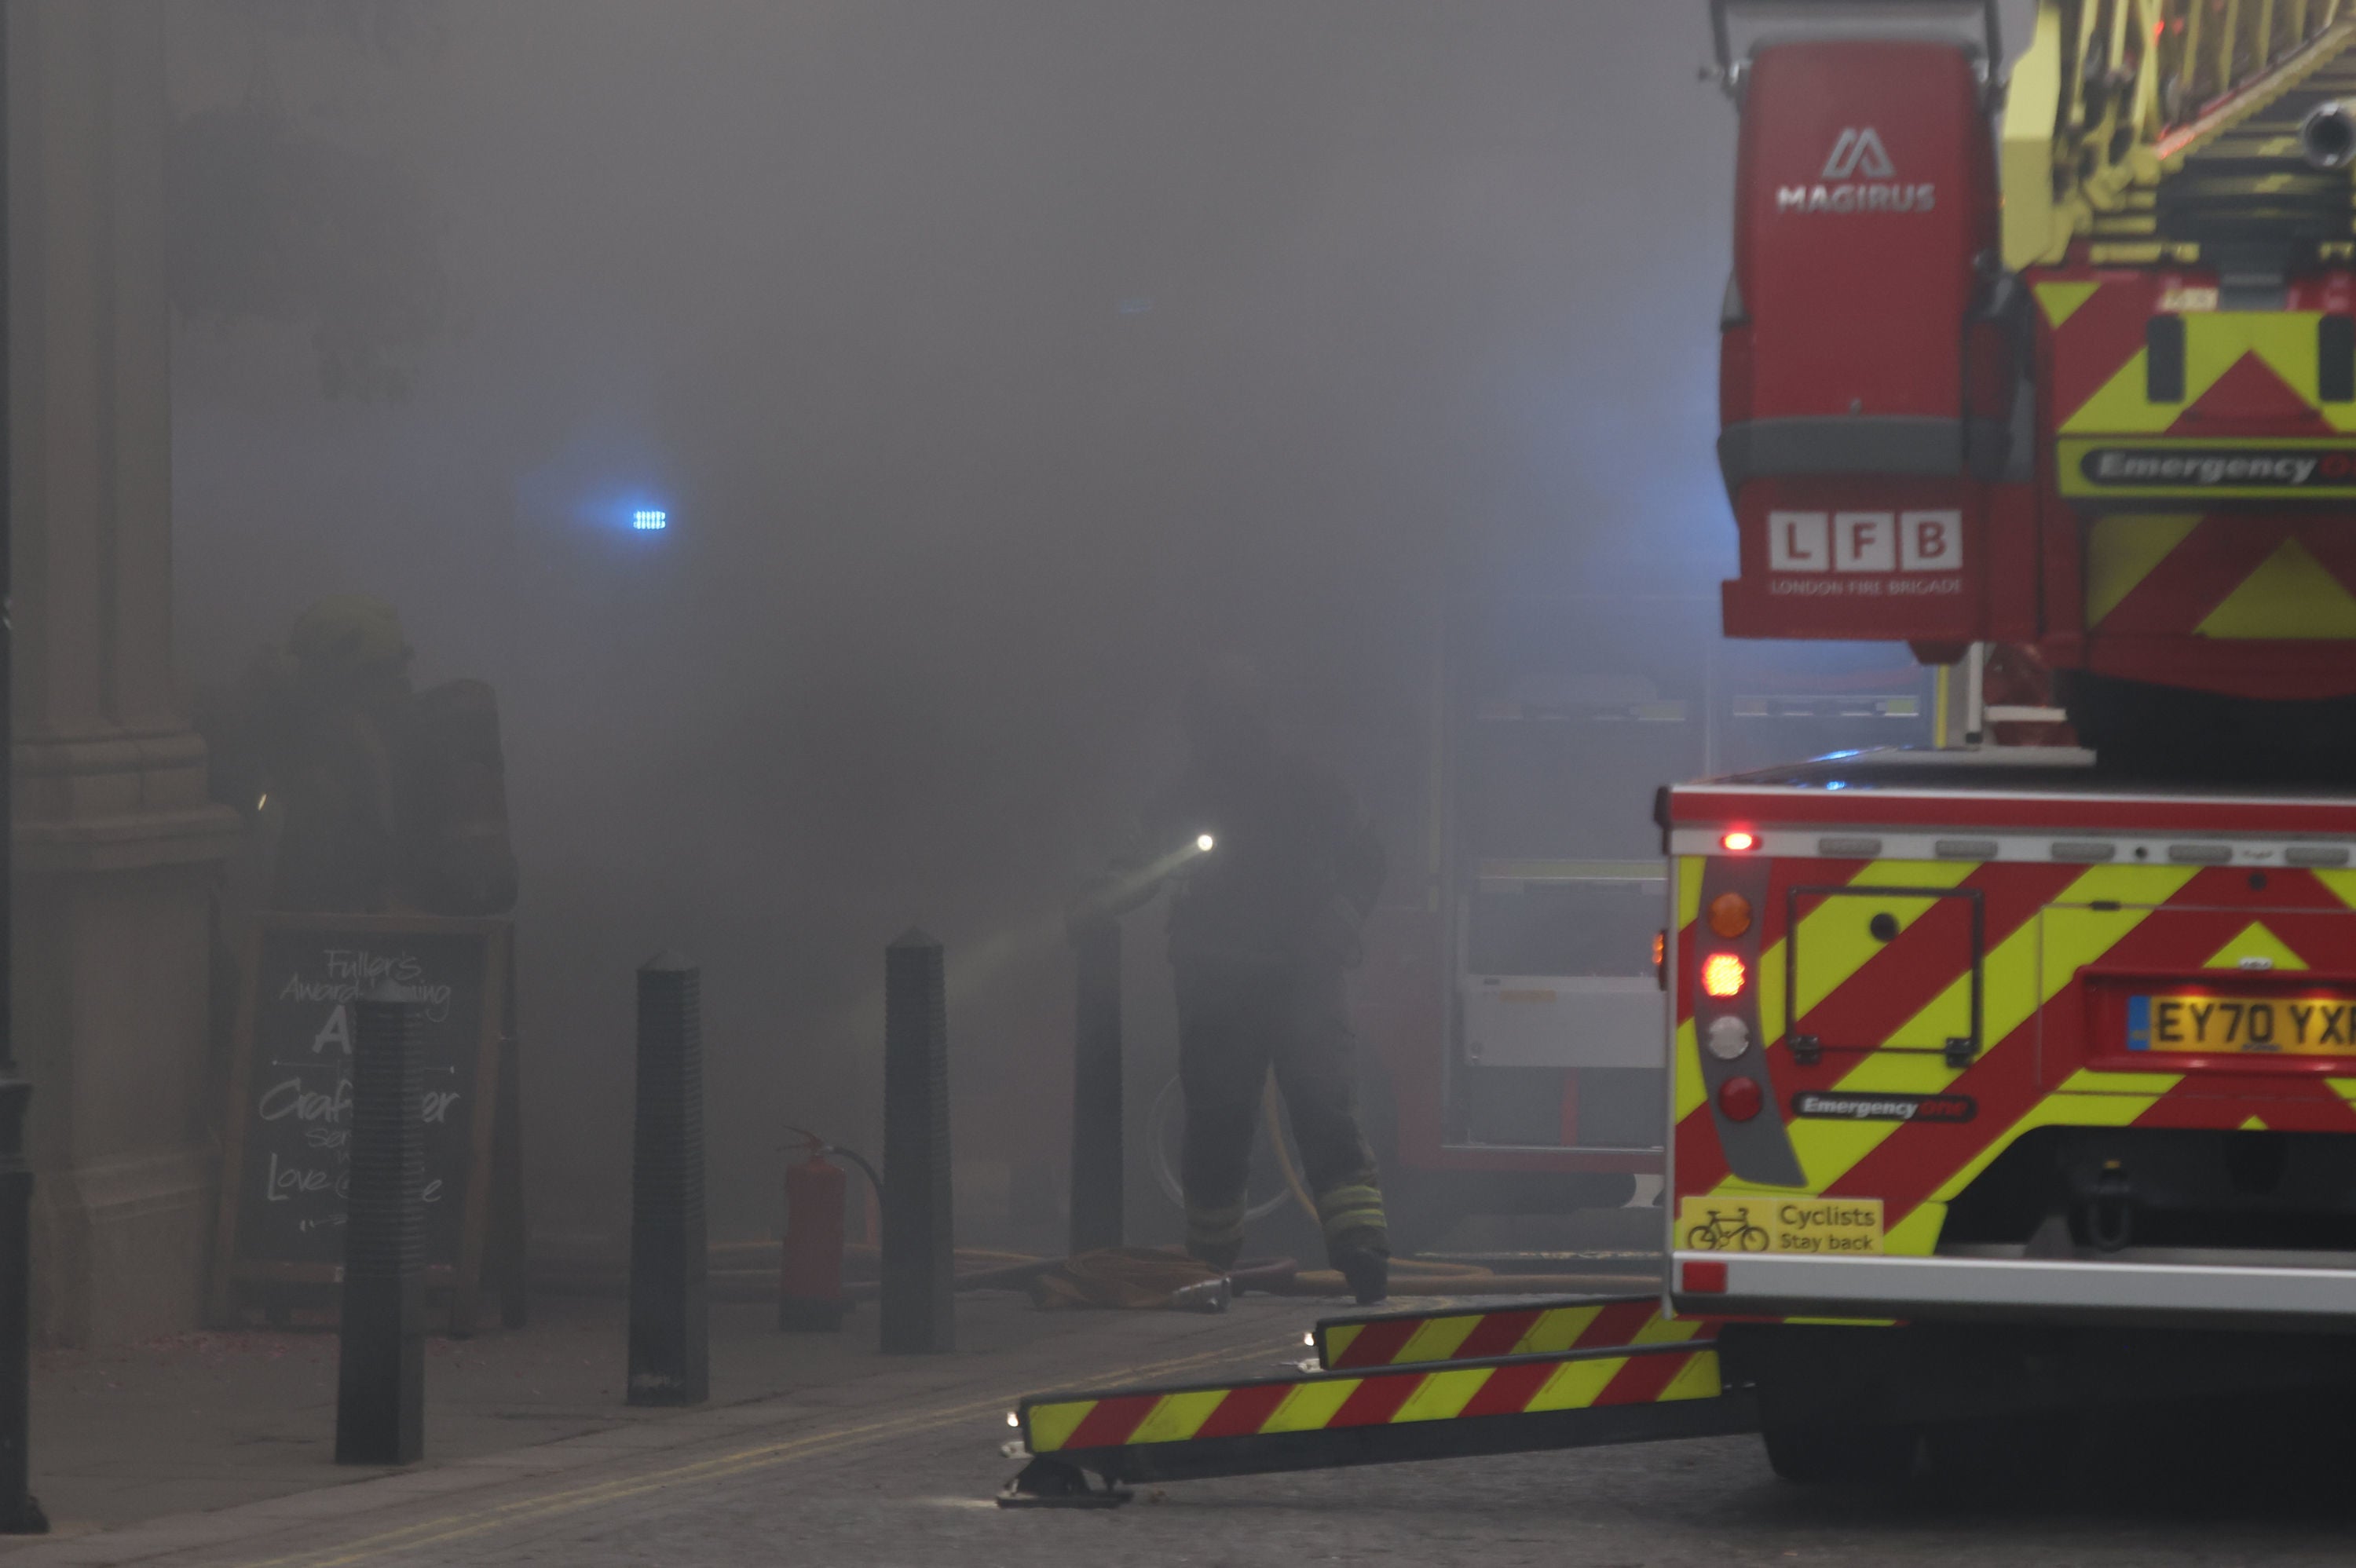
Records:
x=388, y=800
x=1273, y=871
x=341, y=770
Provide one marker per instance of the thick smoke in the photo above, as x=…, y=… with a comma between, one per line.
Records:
x=994, y=361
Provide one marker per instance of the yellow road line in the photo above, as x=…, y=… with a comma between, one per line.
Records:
x=455, y=1526
x=433, y=1532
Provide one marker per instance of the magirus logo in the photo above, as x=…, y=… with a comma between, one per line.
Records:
x=1860, y=176
x=1859, y=153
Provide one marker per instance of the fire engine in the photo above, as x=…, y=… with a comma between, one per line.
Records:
x=2005, y=1082
x=1509, y=1005
x=1510, y=1001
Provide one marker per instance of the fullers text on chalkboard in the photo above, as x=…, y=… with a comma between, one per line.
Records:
x=296, y=1102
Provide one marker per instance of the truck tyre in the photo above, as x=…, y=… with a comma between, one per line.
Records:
x=1855, y=1454
x=2162, y=732
x=2019, y=1450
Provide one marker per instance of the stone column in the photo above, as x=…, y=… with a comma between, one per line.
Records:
x=116, y=848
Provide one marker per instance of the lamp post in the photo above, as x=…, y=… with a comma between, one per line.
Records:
x=19, y=1514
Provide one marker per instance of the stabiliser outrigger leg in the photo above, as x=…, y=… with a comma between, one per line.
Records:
x=1393, y=1388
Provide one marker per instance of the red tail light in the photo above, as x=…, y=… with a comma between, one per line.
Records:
x=1705, y=1277
x=1741, y=1099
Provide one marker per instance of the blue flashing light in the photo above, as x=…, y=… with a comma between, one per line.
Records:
x=648, y=522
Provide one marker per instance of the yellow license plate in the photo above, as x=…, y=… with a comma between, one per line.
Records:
x=2296, y=1026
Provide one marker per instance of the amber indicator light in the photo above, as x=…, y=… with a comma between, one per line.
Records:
x=1729, y=915
x=1723, y=974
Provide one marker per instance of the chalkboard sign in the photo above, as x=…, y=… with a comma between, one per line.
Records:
x=287, y=1153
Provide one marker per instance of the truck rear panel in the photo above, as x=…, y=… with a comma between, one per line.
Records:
x=1983, y=1036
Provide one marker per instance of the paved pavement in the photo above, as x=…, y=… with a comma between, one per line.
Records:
x=210, y=1420
x=893, y=1463
x=849, y=1407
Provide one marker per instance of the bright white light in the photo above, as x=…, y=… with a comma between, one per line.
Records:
x=1012, y=1419
x=650, y=522
x=1206, y=843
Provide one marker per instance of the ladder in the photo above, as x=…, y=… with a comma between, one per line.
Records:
x=2166, y=132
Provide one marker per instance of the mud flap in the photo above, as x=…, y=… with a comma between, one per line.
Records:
x=1482, y=1331
x=1456, y=1409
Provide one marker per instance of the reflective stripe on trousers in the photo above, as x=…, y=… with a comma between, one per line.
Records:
x=1354, y=1206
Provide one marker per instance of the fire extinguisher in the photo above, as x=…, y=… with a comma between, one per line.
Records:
x=809, y=1273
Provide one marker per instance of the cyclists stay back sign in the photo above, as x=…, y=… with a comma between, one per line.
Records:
x=1826, y=1225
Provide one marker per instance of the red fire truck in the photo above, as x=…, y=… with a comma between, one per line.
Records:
x=1510, y=1002
x=1510, y=1005
x=2006, y=1083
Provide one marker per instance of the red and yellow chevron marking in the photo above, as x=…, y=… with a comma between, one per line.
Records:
x=2247, y=374
x=2230, y=578
x=2251, y=381
x=1333, y=1401
x=1538, y=1330
x=2044, y=924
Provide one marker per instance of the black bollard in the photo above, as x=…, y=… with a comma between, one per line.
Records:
x=380, y=1368
x=669, y=1300
x=919, y=1253
x=1097, y=1157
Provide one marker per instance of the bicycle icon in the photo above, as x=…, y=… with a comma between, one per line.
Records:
x=1723, y=1232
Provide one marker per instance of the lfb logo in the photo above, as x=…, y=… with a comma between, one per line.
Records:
x=1865, y=542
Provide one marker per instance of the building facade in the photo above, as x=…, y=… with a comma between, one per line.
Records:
x=117, y=849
